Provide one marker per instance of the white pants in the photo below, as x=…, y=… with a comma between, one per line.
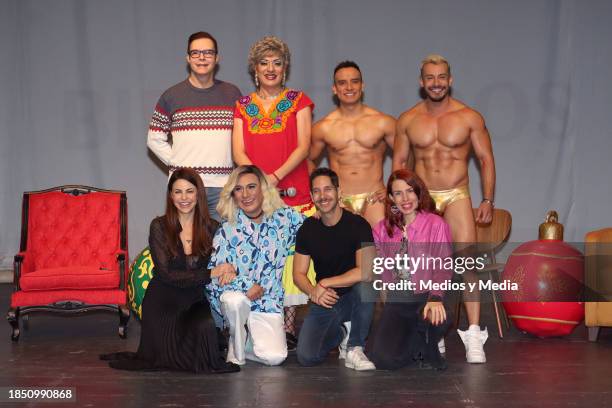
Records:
x=266, y=342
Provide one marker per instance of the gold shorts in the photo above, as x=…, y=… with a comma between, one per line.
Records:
x=357, y=203
x=443, y=198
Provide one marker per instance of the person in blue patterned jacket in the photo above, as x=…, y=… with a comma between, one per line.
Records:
x=251, y=247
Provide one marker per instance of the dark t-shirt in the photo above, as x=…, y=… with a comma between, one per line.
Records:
x=332, y=249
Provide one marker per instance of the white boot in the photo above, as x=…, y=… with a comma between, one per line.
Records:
x=474, y=339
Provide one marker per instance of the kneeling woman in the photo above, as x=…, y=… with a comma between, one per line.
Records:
x=178, y=332
x=252, y=246
x=413, y=321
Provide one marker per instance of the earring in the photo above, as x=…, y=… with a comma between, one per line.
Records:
x=256, y=81
x=394, y=209
x=284, y=79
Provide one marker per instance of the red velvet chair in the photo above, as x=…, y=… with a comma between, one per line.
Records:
x=73, y=254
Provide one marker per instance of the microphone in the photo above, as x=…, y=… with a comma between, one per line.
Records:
x=288, y=192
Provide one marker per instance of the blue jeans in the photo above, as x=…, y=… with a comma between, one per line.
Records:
x=321, y=331
x=212, y=196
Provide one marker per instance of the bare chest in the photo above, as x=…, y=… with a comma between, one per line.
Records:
x=446, y=131
x=359, y=134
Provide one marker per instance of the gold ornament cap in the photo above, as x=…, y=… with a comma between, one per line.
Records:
x=550, y=229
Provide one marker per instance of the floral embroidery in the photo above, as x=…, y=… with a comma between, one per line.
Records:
x=252, y=109
x=259, y=121
x=291, y=95
x=283, y=105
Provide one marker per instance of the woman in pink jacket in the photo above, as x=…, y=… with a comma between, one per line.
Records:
x=413, y=318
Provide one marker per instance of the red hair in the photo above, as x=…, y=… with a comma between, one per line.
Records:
x=425, y=201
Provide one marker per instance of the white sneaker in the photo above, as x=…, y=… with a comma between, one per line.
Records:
x=346, y=326
x=356, y=360
x=473, y=338
x=442, y=346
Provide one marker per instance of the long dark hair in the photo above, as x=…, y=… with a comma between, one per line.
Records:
x=202, y=223
x=426, y=203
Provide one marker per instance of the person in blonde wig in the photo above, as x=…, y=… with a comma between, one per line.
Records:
x=272, y=131
x=227, y=207
x=251, y=247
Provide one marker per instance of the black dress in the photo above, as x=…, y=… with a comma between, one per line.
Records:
x=178, y=331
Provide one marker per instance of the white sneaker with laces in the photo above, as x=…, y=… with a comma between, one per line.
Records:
x=474, y=339
x=356, y=360
x=346, y=326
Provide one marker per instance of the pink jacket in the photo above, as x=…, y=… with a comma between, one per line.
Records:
x=428, y=237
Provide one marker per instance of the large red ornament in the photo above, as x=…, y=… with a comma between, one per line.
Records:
x=550, y=276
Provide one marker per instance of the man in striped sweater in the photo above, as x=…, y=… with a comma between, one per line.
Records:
x=193, y=120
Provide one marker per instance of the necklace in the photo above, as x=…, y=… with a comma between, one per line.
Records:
x=255, y=217
x=259, y=93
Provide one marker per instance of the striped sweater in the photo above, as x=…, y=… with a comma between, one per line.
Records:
x=192, y=127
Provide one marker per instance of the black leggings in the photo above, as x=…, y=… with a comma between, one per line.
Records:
x=403, y=337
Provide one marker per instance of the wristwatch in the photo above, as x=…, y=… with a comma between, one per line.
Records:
x=488, y=200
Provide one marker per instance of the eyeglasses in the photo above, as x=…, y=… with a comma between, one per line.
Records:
x=204, y=53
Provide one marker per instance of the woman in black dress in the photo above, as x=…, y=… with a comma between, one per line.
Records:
x=178, y=331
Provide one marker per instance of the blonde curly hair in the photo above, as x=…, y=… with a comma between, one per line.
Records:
x=269, y=45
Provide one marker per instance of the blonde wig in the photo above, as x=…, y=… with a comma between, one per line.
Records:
x=227, y=207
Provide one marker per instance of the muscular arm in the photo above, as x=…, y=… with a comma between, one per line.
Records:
x=481, y=142
x=317, y=145
x=304, y=122
x=401, y=146
x=389, y=127
x=238, y=151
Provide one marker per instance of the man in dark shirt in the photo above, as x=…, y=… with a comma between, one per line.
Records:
x=340, y=245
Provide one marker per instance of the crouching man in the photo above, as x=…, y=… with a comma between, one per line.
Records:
x=340, y=245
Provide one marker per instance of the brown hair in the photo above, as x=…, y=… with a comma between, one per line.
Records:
x=202, y=223
x=197, y=36
x=426, y=203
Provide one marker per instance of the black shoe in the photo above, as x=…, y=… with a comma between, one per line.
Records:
x=222, y=336
x=291, y=341
x=226, y=368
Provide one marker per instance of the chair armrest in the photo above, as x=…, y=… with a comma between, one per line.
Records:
x=18, y=266
x=121, y=260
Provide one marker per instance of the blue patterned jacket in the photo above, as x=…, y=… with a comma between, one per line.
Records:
x=258, y=252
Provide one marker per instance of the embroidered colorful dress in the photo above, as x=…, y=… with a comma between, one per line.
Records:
x=270, y=136
x=258, y=252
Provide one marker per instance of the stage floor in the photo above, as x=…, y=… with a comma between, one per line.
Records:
x=521, y=371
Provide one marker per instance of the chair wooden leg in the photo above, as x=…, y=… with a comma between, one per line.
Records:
x=13, y=318
x=593, y=333
x=124, y=318
x=500, y=330
x=458, y=311
x=501, y=309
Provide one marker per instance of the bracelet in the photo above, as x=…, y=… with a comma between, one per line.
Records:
x=488, y=200
x=276, y=177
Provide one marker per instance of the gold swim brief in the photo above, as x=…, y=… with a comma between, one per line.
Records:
x=443, y=198
x=357, y=203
